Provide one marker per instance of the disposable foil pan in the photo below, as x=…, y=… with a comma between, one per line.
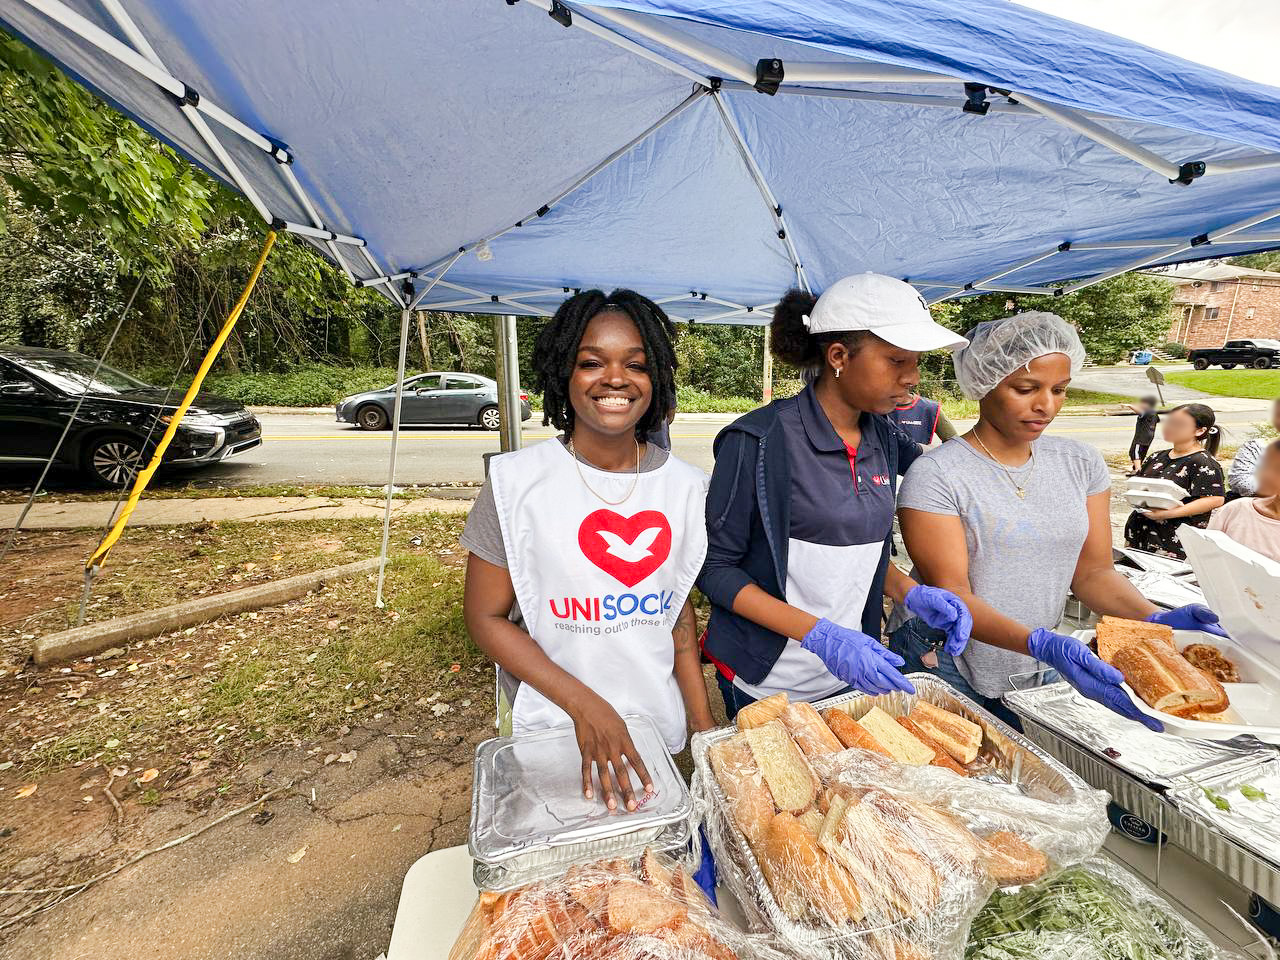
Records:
x=1011, y=757
x=530, y=821
x=1244, y=840
x=1129, y=747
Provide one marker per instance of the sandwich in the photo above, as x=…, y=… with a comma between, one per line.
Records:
x=1115, y=633
x=940, y=756
x=809, y=732
x=748, y=797
x=762, y=711
x=1166, y=681
x=961, y=738
x=791, y=781
x=851, y=733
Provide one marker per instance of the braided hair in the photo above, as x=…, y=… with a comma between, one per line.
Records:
x=556, y=351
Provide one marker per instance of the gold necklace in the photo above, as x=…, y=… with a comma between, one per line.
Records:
x=635, y=482
x=1021, y=491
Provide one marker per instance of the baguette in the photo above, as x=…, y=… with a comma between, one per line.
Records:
x=748, y=797
x=879, y=856
x=940, y=757
x=822, y=884
x=902, y=746
x=792, y=783
x=762, y=711
x=1012, y=861
x=809, y=731
x=1115, y=633
x=1167, y=682
x=961, y=738
x=851, y=733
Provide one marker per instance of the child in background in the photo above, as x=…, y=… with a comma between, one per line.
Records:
x=1144, y=431
x=1254, y=522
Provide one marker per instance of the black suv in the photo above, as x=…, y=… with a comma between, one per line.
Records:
x=1259, y=354
x=119, y=423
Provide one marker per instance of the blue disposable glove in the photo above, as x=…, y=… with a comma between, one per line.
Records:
x=856, y=659
x=1083, y=670
x=1194, y=616
x=942, y=610
x=705, y=878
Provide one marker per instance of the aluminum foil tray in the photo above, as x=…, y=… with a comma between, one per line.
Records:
x=1010, y=758
x=1242, y=841
x=529, y=819
x=1152, y=758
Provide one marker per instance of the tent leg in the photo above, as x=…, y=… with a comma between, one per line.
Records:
x=507, y=355
x=395, y=442
x=766, y=390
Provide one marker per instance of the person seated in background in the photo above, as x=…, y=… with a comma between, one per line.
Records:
x=1241, y=478
x=1192, y=465
x=1144, y=431
x=922, y=419
x=1254, y=521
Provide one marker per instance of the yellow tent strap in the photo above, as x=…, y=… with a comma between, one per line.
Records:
x=144, y=476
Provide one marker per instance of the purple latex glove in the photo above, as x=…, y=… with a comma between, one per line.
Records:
x=1194, y=616
x=856, y=659
x=1083, y=670
x=942, y=610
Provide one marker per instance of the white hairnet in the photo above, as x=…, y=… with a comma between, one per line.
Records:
x=999, y=347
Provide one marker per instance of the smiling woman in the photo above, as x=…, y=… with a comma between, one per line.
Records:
x=584, y=548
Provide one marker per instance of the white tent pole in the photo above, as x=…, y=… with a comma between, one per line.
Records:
x=720, y=61
x=436, y=279
x=1204, y=238
x=775, y=209
x=858, y=71
x=395, y=442
x=617, y=39
x=1099, y=134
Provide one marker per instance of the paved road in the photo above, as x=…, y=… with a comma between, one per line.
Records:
x=313, y=449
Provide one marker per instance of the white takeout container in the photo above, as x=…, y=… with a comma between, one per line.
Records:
x=1149, y=500
x=1243, y=588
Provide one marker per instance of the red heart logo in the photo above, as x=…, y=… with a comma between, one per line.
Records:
x=626, y=548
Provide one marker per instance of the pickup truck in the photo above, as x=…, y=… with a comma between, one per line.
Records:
x=1260, y=354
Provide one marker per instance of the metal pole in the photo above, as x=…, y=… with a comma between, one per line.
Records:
x=395, y=442
x=507, y=361
x=766, y=392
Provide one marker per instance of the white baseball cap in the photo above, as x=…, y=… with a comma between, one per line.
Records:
x=888, y=307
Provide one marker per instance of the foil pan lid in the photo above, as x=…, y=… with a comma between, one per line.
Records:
x=1151, y=757
x=527, y=794
x=1251, y=797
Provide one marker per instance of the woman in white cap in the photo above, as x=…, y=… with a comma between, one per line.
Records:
x=800, y=508
x=1010, y=520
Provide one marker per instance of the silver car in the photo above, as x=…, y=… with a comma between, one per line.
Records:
x=462, y=399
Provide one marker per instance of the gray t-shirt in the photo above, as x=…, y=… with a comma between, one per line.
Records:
x=1022, y=553
x=482, y=534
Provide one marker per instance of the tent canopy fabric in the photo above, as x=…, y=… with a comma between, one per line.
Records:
x=707, y=154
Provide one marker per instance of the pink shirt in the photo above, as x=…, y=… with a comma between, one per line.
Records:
x=1241, y=521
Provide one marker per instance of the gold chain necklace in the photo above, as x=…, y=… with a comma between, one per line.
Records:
x=635, y=482
x=1021, y=491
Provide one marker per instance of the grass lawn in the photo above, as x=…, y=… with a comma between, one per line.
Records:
x=1256, y=384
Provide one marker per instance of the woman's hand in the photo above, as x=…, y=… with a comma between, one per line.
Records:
x=1097, y=680
x=856, y=658
x=603, y=740
x=1168, y=513
x=942, y=610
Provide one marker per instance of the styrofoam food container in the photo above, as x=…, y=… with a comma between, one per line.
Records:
x=1255, y=703
x=1150, y=500
x=1156, y=485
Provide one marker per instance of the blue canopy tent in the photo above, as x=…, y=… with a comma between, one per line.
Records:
x=488, y=156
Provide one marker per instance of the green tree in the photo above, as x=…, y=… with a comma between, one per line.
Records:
x=1258, y=261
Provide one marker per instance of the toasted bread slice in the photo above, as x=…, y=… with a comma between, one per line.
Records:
x=1114, y=633
x=940, y=757
x=961, y=738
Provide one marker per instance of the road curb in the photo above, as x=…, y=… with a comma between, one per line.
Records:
x=96, y=637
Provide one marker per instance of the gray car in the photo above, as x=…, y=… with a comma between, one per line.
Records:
x=463, y=399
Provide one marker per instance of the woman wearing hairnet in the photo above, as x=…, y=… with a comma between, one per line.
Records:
x=1010, y=520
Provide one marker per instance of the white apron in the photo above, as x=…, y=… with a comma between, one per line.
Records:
x=599, y=586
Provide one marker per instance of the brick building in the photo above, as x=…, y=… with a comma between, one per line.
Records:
x=1213, y=304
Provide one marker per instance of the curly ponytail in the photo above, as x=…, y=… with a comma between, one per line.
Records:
x=791, y=341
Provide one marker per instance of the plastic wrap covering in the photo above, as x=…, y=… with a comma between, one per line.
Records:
x=642, y=909
x=1095, y=911
x=884, y=852
x=1151, y=757
x=1242, y=804
x=530, y=821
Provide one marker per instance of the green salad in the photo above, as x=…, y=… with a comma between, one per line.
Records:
x=1081, y=915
